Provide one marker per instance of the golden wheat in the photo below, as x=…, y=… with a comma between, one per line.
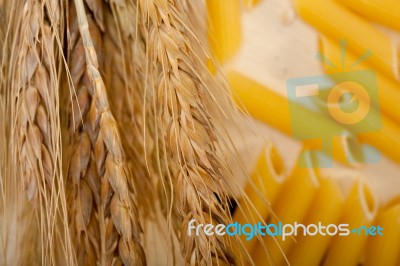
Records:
x=30, y=90
x=108, y=116
x=123, y=73
x=104, y=215
x=193, y=179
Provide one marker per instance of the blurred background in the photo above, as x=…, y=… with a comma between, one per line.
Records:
x=280, y=40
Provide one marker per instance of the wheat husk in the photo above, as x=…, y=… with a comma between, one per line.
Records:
x=32, y=163
x=105, y=221
x=123, y=72
x=193, y=175
x=143, y=137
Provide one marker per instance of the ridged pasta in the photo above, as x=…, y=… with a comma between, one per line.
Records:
x=337, y=22
x=359, y=209
x=261, y=191
x=327, y=207
x=385, y=12
x=291, y=206
x=224, y=28
x=385, y=250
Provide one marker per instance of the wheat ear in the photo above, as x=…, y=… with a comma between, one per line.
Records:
x=31, y=91
x=105, y=214
x=125, y=51
x=193, y=178
x=125, y=48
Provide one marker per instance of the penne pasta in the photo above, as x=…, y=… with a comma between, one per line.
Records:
x=291, y=206
x=359, y=209
x=327, y=207
x=388, y=136
x=337, y=22
x=261, y=102
x=388, y=90
x=250, y=3
x=275, y=110
x=385, y=250
x=224, y=28
x=261, y=191
x=386, y=139
x=384, y=12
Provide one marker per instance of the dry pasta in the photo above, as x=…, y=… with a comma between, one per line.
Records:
x=273, y=109
x=261, y=191
x=326, y=209
x=388, y=90
x=250, y=3
x=224, y=28
x=291, y=206
x=359, y=210
x=336, y=22
x=384, y=12
x=385, y=250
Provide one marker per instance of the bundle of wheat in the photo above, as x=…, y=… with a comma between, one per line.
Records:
x=128, y=81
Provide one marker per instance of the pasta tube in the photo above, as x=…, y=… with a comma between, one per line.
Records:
x=387, y=139
x=250, y=3
x=261, y=191
x=384, y=250
x=336, y=22
x=359, y=209
x=291, y=206
x=273, y=109
x=388, y=90
x=327, y=207
x=384, y=12
x=224, y=28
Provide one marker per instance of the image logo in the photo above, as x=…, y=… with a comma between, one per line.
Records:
x=345, y=104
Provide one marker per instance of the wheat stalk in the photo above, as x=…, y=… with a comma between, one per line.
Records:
x=193, y=176
x=3, y=24
x=30, y=95
x=105, y=218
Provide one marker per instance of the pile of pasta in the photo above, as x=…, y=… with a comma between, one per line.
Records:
x=305, y=196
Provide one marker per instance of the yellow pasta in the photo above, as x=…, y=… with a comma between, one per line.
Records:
x=343, y=147
x=336, y=22
x=224, y=28
x=387, y=139
x=359, y=210
x=385, y=250
x=261, y=191
x=273, y=109
x=261, y=102
x=385, y=12
x=326, y=209
x=250, y=3
x=291, y=206
x=388, y=90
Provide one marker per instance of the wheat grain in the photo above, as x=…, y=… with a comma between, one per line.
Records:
x=30, y=91
x=159, y=91
x=194, y=179
x=105, y=219
x=123, y=73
